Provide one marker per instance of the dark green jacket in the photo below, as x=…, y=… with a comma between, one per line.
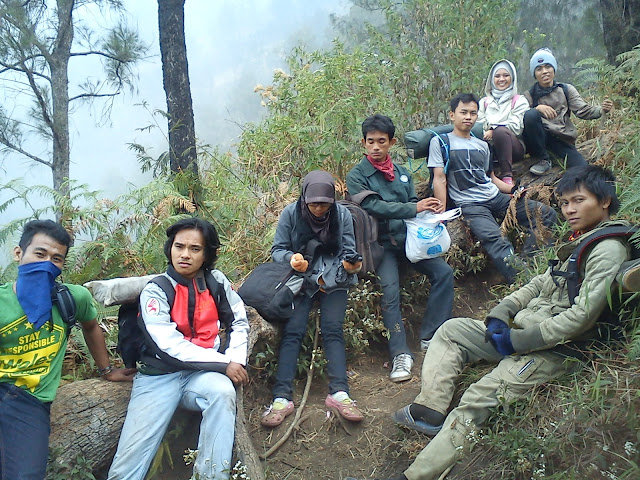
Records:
x=397, y=200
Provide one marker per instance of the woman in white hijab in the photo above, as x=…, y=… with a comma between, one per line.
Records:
x=501, y=114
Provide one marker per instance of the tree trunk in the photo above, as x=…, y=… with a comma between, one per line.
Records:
x=175, y=73
x=87, y=417
x=620, y=26
x=60, y=99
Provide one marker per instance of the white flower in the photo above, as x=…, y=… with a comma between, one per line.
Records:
x=630, y=448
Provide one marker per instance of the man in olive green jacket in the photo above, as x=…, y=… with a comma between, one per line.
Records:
x=528, y=335
x=395, y=202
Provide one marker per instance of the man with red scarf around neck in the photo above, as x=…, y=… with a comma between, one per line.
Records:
x=396, y=201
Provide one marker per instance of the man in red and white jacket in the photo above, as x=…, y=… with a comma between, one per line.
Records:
x=184, y=363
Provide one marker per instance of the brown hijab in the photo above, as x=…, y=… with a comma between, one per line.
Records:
x=318, y=186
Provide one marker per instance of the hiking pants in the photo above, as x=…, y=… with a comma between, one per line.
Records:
x=24, y=434
x=332, y=308
x=154, y=399
x=439, y=304
x=506, y=150
x=458, y=342
x=538, y=140
x=481, y=218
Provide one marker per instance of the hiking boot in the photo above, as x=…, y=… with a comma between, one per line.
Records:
x=541, y=167
x=279, y=409
x=424, y=345
x=346, y=408
x=401, y=368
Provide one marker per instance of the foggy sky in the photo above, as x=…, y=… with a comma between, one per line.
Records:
x=232, y=45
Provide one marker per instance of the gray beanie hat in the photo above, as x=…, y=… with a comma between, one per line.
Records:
x=541, y=57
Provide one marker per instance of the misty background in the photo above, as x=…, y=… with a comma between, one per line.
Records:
x=232, y=46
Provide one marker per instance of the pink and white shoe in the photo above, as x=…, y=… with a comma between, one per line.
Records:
x=346, y=408
x=279, y=409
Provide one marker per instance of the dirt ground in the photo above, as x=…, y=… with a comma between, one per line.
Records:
x=322, y=446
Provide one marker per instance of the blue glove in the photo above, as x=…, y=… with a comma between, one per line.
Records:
x=502, y=342
x=494, y=325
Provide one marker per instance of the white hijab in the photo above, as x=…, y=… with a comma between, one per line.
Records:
x=501, y=96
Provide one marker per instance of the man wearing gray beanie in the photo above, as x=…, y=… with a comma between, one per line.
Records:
x=547, y=125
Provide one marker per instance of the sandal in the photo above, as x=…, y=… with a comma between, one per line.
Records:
x=274, y=416
x=403, y=418
x=346, y=408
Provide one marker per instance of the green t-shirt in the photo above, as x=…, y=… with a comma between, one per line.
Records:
x=32, y=359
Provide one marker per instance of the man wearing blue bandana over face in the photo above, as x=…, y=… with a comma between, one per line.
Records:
x=396, y=201
x=33, y=339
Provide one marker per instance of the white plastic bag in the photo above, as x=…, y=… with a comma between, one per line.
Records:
x=427, y=236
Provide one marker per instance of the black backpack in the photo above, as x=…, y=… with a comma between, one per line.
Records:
x=365, y=228
x=572, y=274
x=131, y=341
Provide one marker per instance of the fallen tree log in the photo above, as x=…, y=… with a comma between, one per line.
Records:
x=87, y=417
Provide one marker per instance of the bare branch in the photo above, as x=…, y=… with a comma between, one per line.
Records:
x=41, y=100
x=18, y=149
x=95, y=52
x=16, y=68
x=94, y=95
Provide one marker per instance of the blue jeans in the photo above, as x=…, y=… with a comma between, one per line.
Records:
x=332, y=308
x=24, y=434
x=154, y=399
x=481, y=218
x=439, y=304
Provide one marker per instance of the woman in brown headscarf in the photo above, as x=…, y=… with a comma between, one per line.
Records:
x=315, y=235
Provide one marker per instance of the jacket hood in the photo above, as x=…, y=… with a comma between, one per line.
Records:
x=489, y=85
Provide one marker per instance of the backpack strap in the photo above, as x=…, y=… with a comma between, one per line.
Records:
x=514, y=99
x=445, y=147
x=167, y=287
x=62, y=298
x=360, y=196
x=565, y=89
x=572, y=274
x=225, y=314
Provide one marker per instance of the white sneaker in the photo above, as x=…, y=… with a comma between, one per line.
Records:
x=401, y=368
x=424, y=345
